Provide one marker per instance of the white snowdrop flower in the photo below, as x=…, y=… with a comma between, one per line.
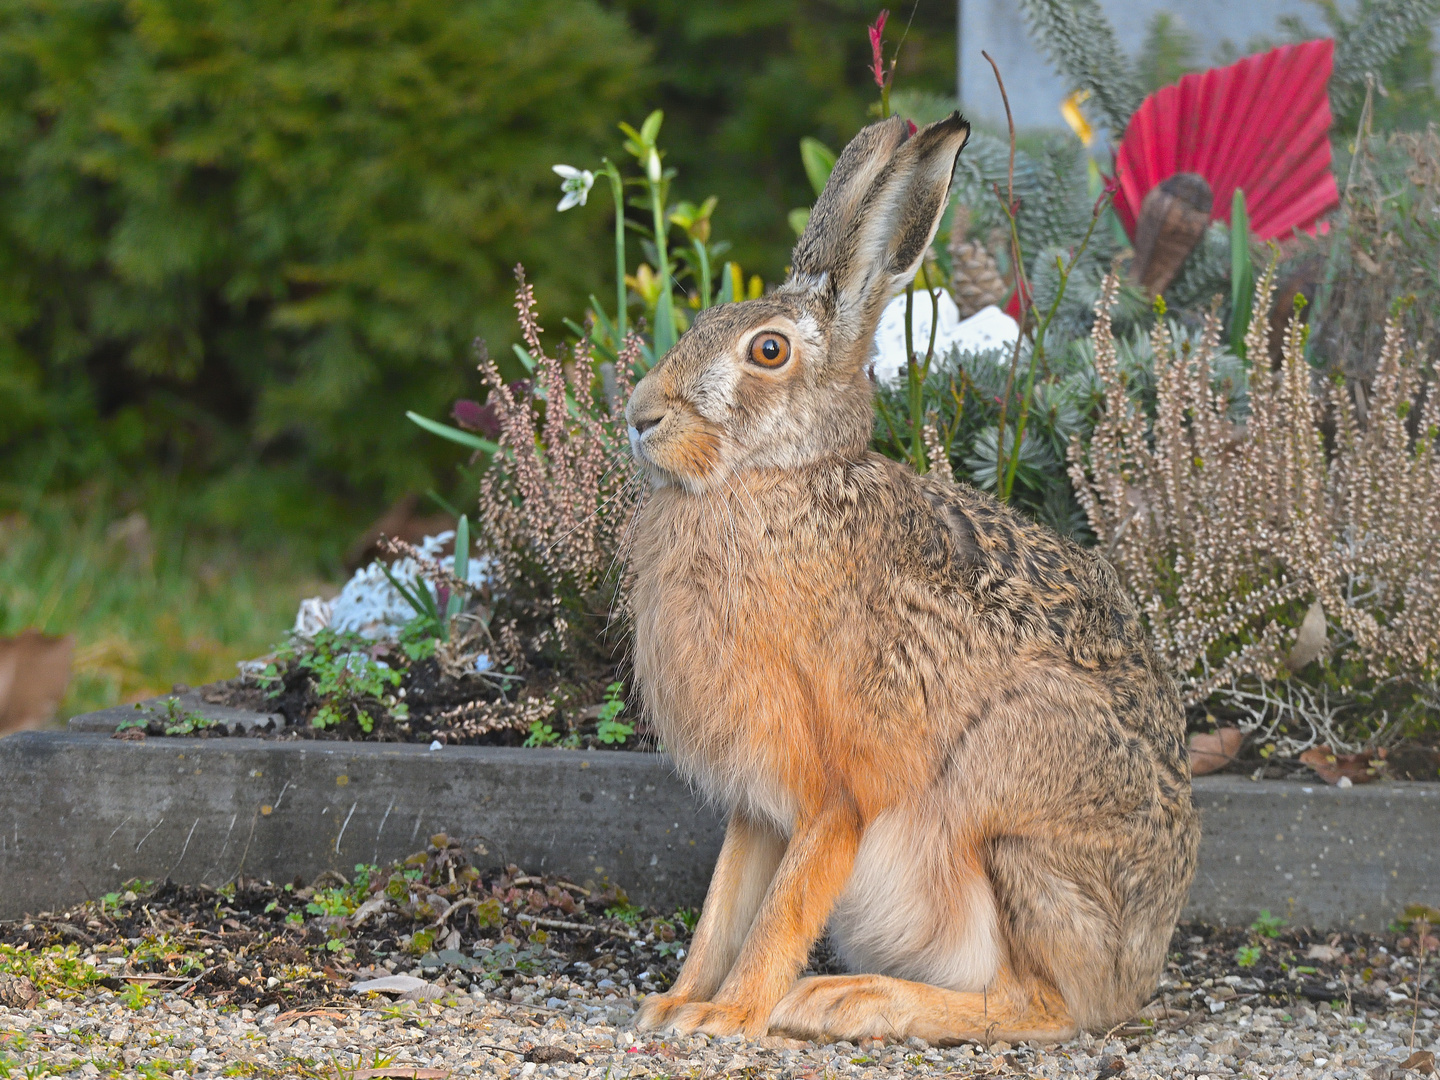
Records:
x=575, y=183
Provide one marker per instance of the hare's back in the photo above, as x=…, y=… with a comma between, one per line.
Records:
x=1018, y=588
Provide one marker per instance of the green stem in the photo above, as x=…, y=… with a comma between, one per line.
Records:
x=934, y=326
x=1037, y=354
x=617, y=188
x=1022, y=287
x=664, y=306
x=915, y=384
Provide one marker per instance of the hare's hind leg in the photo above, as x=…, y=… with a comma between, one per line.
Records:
x=855, y=1007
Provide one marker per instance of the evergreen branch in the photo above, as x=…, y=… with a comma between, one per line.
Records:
x=1369, y=41
x=1080, y=41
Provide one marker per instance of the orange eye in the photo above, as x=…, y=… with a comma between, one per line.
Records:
x=769, y=350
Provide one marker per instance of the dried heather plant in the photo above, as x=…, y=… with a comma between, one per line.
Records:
x=1383, y=245
x=1228, y=536
x=556, y=500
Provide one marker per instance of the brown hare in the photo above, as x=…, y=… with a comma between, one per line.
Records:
x=938, y=728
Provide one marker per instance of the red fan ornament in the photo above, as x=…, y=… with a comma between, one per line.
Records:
x=1261, y=125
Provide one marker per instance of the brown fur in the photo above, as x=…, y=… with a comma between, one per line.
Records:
x=937, y=726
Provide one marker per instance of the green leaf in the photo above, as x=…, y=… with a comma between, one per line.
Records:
x=420, y=600
x=1242, y=274
x=597, y=344
x=526, y=360
x=818, y=160
x=454, y=434
x=650, y=130
x=727, y=285
x=462, y=566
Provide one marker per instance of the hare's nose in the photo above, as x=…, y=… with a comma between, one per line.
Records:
x=642, y=424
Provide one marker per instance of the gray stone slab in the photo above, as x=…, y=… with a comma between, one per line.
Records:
x=81, y=813
x=1313, y=854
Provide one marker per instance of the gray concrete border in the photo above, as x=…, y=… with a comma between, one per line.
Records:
x=81, y=813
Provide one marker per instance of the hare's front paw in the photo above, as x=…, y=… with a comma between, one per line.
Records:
x=656, y=1011
x=709, y=1018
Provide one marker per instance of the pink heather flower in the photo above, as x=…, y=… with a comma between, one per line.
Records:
x=875, y=49
x=472, y=416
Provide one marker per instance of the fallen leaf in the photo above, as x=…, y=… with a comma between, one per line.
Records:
x=373, y=906
x=1212, y=751
x=399, y=1072
x=1332, y=767
x=17, y=992
x=1110, y=1067
x=1326, y=954
x=1422, y=1061
x=390, y=984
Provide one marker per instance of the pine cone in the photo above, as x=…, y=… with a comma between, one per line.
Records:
x=975, y=279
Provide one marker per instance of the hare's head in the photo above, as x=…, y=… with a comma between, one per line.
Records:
x=781, y=381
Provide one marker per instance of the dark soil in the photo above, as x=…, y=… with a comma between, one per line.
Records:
x=465, y=711
x=438, y=916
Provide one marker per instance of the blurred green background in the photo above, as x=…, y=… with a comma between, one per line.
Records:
x=239, y=238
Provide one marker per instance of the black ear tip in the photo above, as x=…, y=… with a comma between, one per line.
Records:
x=952, y=125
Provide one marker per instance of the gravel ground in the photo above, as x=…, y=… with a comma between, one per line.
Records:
x=569, y=1031
x=511, y=974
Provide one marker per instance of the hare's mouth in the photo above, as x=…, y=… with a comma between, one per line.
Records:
x=680, y=448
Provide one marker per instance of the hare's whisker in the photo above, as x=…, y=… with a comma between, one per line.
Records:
x=622, y=556
x=588, y=517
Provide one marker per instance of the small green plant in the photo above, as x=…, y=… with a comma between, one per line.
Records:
x=182, y=721
x=626, y=912
x=335, y=902
x=610, y=729
x=1247, y=956
x=347, y=679
x=135, y=996
x=140, y=720
x=295, y=918
x=1267, y=925
x=177, y=719
x=541, y=734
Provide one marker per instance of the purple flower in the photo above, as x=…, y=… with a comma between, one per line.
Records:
x=472, y=416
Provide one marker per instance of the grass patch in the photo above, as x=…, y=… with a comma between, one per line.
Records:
x=153, y=597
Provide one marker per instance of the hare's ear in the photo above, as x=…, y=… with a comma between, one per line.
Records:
x=873, y=222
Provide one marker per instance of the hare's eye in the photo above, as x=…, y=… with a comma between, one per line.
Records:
x=769, y=350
